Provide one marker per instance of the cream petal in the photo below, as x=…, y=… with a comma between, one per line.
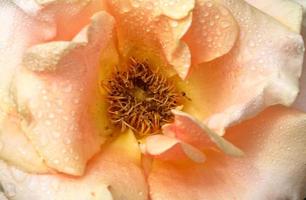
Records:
x=273, y=168
x=15, y=148
x=213, y=32
x=59, y=87
x=287, y=12
x=300, y=102
x=18, y=31
x=169, y=148
x=261, y=70
x=111, y=175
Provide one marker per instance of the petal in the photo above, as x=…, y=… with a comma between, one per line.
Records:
x=287, y=12
x=110, y=175
x=300, y=102
x=18, y=31
x=146, y=31
x=213, y=32
x=273, y=141
x=169, y=148
x=62, y=12
x=15, y=147
x=59, y=88
x=189, y=130
x=261, y=70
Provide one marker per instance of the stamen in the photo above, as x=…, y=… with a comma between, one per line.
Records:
x=141, y=99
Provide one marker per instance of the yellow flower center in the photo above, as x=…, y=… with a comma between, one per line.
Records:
x=141, y=99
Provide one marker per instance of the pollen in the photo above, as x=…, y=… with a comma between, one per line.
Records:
x=141, y=99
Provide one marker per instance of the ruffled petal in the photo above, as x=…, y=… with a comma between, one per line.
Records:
x=189, y=130
x=287, y=12
x=149, y=30
x=169, y=148
x=273, y=168
x=111, y=175
x=213, y=32
x=261, y=70
x=58, y=87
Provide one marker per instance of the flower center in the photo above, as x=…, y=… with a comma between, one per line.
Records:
x=141, y=99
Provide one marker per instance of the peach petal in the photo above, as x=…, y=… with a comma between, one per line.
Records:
x=110, y=175
x=145, y=32
x=273, y=168
x=213, y=32
x=262, y=69
x=59, y=86
x=168, y=148
x=287, y=12
x=189, y=130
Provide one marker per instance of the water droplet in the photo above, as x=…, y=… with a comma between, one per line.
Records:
x=135, y=3
x=48, y=122
x=225, y=24
x=68, y=89
x=149, y=5
x=76, y=101
x=67, y=141
x=173, y=23
x=56, y=134
x=51, y=115
x=252, y=44
x=65, y=118
x=209, y=4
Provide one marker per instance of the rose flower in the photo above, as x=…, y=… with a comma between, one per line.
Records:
x=151, y=100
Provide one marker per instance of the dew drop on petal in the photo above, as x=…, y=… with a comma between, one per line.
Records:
x=225, y=24
x=67, y=141
x=173, y=24
x=68, y=89
x=209, y=4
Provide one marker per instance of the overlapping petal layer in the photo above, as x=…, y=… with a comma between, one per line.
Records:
x=18, y=32
x=150, y=30
x=262, y=69
x=58, y=89
x=213, y=32
x=273, y=143
x=169, y=148
x=287, y=12
x=111, y=175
